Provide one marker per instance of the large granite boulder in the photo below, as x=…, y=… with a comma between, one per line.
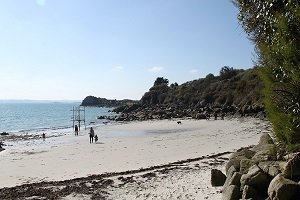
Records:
x=233, y=180
x=265, y=138
x=231, y=171
x=265, y=152
x=245, y=164
x=292, y=168
x=251, y=193
x=217, y=178
x=272, y=168
x=257, y=179
x=281, y=188
x=231, y=192
x=243, y=152
x=235, y=158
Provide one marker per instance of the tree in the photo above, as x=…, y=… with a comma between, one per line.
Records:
x=157, y=93
x=161, y=80
x=227, y=72
x=273, y=26
x=174, y=85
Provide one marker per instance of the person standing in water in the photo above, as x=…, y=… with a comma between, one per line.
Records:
x=92, y=133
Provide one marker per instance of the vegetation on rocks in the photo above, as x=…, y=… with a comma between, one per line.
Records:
x=103, y=102
x=233, y=91
x=273, y=26
x=231, y=87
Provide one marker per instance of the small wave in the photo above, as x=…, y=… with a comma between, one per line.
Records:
x=47, y=129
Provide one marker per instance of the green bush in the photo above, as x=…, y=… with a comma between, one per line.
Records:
x=273, y=26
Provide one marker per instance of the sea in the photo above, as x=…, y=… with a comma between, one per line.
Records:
x=48, y=117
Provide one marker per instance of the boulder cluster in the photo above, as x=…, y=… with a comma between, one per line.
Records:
x=169, y=111
x=264, y=171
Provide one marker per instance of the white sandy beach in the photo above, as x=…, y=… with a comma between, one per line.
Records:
x=131, y=146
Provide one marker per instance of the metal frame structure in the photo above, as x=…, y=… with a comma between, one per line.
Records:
x=77, y=116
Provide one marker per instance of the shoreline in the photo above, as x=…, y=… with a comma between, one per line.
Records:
x=125, y=147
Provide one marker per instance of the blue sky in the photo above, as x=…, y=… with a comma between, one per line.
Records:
x=69, y=49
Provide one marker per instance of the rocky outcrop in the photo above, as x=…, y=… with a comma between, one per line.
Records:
x=103, y=102
x=198, y=99
x=257, y=173
x=168, y=111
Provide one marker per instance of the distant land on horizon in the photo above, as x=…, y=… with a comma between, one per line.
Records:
x=37, y=101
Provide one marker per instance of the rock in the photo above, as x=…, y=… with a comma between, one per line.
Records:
x=245, y=164
x=101, y=117
x=235, y=179
x=231, y=192
x=217, y=178
x=200, y=116
x=272, y=168
x=4, y=133
x=282, y=188
x=265, y=152
x=292, y=168
x=289, y=156
x=251, y=193
x=265, y=139
x=1, y=148
x=231, y=171
x=243, y=152
x=235, y=158
x=256, y=178
x=233, y=163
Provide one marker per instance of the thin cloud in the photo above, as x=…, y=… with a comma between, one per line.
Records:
x=40, y=2
x=155, y=69
x=117, y=68
x=194, y=71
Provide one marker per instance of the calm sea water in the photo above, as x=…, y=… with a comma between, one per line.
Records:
x=34, y=117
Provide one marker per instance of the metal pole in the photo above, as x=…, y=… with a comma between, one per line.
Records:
x=84, y=116
x=73, y=119
x=78, y=108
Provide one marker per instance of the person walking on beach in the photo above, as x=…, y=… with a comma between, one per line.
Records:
x=96, y=138
x=92, y=133
x=76, y=130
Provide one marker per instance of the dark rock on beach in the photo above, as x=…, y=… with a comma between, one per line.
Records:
x=1, y=148
x=217, y=178
x=4, y=133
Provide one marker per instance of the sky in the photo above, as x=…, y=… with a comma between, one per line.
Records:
x=115, y=49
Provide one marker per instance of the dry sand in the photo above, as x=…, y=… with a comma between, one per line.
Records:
x=151, y=145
